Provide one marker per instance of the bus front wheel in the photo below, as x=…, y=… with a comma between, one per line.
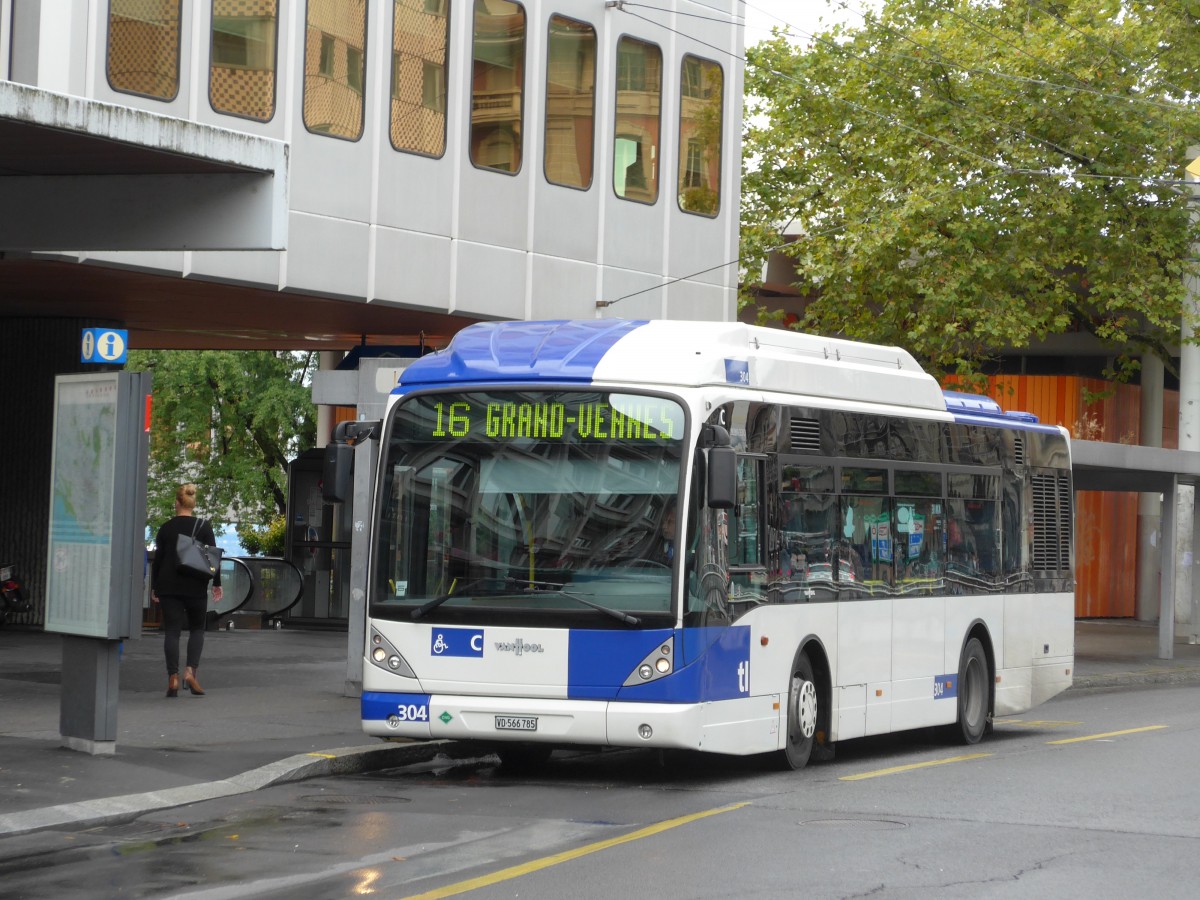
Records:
x=974, y=696
x=803, y=711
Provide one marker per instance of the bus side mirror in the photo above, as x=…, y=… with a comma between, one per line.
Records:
x=337, y=474
x=722, y=477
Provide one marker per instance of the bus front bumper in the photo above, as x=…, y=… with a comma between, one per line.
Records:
x=585, y=722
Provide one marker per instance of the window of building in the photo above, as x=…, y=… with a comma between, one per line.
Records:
x=241, y=75
x=433, y=86
x=701, y=104
x=143, y=47
x=334, y=64
x=570, y=102
x=325, y=63
x=420, y=38
x=497, y=84
x=354, y=68
x=639, y=102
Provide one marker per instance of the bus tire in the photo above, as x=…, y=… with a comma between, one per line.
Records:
x=804, y=711
x=974, y=694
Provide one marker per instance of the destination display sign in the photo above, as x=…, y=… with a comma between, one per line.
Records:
x=557, y=416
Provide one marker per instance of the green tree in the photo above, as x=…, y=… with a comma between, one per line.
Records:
x=967, y=176
x=229, y=421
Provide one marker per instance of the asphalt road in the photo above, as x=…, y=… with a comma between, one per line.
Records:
x=1092, y=795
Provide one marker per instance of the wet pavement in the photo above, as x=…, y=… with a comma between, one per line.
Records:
x=276, y=710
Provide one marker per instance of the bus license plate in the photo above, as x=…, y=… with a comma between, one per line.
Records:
x=516, y=723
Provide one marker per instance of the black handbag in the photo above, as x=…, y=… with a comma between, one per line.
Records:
x=195, y=558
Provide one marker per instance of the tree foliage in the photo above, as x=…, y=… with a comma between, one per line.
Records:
x=966, y=176
x=229, y=421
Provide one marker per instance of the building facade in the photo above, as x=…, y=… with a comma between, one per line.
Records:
x=320, y=174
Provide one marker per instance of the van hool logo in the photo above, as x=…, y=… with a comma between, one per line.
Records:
x=518, y=647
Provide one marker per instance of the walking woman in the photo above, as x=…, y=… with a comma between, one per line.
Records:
x=184, y=598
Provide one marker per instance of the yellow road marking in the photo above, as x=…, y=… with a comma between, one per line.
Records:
x=925, y=765
x=546, y=862
x=323, y=755
x=1107, y=734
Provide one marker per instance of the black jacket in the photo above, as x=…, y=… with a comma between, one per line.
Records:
x=164, y=578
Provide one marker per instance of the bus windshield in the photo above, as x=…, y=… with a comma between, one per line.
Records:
x=537, y=507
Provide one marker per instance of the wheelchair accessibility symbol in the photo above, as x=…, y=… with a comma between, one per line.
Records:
x=104, y=345
x=456, y=642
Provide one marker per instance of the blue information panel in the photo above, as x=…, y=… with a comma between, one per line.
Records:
x=105, y=346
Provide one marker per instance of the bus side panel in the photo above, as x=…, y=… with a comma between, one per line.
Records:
x=744, y=726
x=1039, y=650
x=919, y=648
x=1054, y=646
x=864, y=667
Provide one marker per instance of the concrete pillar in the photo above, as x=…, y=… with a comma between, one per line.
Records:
x=49, y=44
x=1149, y=557
x=5, y=39
x=329, y=360
x=1189, y=434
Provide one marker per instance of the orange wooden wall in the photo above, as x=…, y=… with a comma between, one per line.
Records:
x=1105, y=522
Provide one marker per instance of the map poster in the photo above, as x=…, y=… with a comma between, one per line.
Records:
x=93, y=501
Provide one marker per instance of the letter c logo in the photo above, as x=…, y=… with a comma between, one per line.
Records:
x=477, y=642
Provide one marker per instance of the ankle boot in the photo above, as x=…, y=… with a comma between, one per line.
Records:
x=189, y=678
x=172, y=685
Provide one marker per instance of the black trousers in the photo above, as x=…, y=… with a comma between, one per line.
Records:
x=178, y=611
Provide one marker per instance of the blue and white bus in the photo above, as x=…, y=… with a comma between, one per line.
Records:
x=858, y=551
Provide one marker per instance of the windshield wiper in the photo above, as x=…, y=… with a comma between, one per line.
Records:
x=536, y=588
x=454, y=592
x=544, y=588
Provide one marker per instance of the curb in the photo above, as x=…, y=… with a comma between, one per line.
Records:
x=1174, y=675
x=116, y=810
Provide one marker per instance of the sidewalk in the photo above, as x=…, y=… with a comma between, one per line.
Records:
x=275, y=712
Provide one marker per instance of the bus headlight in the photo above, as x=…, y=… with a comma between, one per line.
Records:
x=384, y=655
x=659, y=663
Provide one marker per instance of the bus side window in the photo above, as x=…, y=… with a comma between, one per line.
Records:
x=746, y=540
x=867, y=543
x=746, y=537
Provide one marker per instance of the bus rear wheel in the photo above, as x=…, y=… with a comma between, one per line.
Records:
x=974, y=695
x=803, y=713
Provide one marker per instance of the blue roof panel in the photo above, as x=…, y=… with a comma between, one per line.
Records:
x=509, y=351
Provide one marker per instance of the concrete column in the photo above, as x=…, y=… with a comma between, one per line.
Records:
x=48, y=44
x=5, y=39
x=1149, y=557
x=1166, y=621
x=1189, y=433
x=329, y=360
